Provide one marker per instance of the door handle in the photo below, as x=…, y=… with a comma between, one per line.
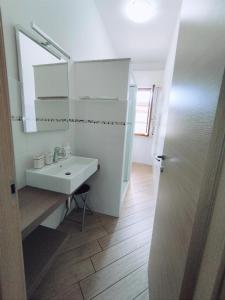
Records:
x=160, y=157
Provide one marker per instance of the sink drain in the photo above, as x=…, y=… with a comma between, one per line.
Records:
x=67, y=173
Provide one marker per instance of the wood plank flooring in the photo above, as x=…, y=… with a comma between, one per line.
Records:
x=131, y=285
x=109, y=260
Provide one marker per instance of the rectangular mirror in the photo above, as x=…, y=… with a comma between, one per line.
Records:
x=44, y=84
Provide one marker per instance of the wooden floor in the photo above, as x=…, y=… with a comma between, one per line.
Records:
x=109, y=259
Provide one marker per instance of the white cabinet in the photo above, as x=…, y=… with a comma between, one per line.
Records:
x=51, y=81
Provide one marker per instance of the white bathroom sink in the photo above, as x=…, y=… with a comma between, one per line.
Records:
x=63, y=177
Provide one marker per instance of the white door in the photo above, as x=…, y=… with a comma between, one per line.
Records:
x=199, y=67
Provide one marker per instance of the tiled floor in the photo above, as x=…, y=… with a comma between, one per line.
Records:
x=109, y=259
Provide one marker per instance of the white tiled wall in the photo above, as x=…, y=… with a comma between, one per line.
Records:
x=102, y=78
x=104, y=110
x=105, y=142
x=99, y=79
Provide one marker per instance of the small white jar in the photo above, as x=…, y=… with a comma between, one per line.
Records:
x=39, y=161
x=48, y=158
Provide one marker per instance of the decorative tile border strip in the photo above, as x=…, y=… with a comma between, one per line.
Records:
x=97, y=122
x=18, y=118
x=80, y=121
x=50, y=120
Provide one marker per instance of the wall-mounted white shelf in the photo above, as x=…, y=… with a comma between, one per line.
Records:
x=99, y=98
x=36, y=205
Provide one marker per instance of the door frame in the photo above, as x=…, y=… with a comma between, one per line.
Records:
x=12, y=278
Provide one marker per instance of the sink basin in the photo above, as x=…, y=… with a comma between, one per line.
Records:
x=64, y=176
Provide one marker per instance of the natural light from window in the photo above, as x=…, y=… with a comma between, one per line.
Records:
x=143, y=111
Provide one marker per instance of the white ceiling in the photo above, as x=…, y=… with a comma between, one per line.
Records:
x=145, y=43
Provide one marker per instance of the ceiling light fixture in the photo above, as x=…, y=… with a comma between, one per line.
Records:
x=140, y=11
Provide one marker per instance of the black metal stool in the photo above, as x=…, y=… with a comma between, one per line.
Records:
x=82, y=194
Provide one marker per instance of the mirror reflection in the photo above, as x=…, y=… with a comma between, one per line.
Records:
x=44, y=85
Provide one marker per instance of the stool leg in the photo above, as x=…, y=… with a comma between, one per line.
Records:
x=76, y=203
x=84, y=210
x=84, y=198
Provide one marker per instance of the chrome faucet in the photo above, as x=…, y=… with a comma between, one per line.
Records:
x=59, y=153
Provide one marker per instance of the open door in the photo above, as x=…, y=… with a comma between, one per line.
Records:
x=12, y=281
x=192, y=152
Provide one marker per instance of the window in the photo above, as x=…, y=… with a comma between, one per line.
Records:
x=143, y=111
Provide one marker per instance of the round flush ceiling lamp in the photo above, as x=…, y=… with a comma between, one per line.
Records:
x=140, y=11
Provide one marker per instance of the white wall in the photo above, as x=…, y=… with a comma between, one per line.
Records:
x=145, y=78
x=142, y=147
x=142, y=150
x=76, y=26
